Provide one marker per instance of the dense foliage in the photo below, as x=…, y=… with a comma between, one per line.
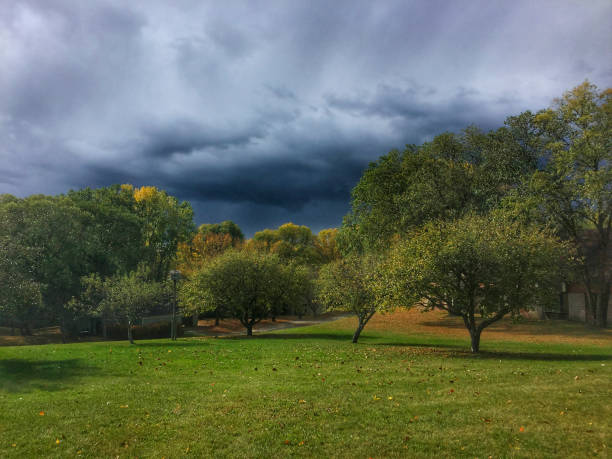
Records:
x=469, y=221
x=52, y=246
x=480, y=268
x=552, y=169
x=353, y=284
x=247, y=285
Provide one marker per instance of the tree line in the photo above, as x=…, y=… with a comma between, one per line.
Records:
x=481, y=224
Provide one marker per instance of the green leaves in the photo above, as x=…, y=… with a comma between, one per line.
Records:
x=486, y=266
x=247, y=284
x=355, y=284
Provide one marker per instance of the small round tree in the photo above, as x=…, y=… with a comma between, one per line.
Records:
x=480, y=268
x=247, y=284
x=352, y=284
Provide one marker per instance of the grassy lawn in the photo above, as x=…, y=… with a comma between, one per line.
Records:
x=409, y=388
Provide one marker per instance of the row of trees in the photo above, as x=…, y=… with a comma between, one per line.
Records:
x=482, y=224
x=53, y=247
x=485, y=224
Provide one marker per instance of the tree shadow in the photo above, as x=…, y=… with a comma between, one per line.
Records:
x=462, y=351
x=189, y=342
x=291, y=336
x=528, y=327
x=536, y=356
x=24, y=375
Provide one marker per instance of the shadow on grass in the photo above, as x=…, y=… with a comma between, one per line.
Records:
x=23, y=375
x=536, y=356
x=188, y=342
x=264, y=336
x=448, y=349
x=529, y=327
x=461, y=351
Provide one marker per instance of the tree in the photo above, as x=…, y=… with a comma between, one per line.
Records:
x=446, y=178
x=210, y=241
x=165, y=223
x=401, y=191
x=223, y=228
x=247, y=284
x=54, y=229
x=121, y=298
x=113, y=229
x=20, y=295
x=289, y=242
x=352, y=284
x=574, y=189
x=325, y=243
x=481, y=268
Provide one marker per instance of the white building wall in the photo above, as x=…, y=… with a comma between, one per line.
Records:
x=575, y=303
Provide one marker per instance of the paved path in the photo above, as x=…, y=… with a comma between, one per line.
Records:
x=268, y=327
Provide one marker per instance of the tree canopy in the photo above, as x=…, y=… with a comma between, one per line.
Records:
x=247, y=284
x=353, y=284
x=481, y=268
x=573, y=191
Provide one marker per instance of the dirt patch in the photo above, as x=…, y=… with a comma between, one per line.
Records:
x=527, y=330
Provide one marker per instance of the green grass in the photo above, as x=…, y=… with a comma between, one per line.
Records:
x=306, y=392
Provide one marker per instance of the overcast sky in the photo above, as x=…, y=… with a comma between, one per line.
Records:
x=265, y=112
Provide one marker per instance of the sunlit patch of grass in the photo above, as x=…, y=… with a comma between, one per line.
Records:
x=307, y=392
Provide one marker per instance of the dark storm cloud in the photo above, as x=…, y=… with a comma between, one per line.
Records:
x=264, y=112
x=187, y=137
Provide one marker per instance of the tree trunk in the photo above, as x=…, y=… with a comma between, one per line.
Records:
x=358, y=332
x=590, y=307
x=104, y=330
x=217, y=317
x=601, y=317
x=475, y=337
x=130, y=337
x=249, y=330
x=63, y=330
